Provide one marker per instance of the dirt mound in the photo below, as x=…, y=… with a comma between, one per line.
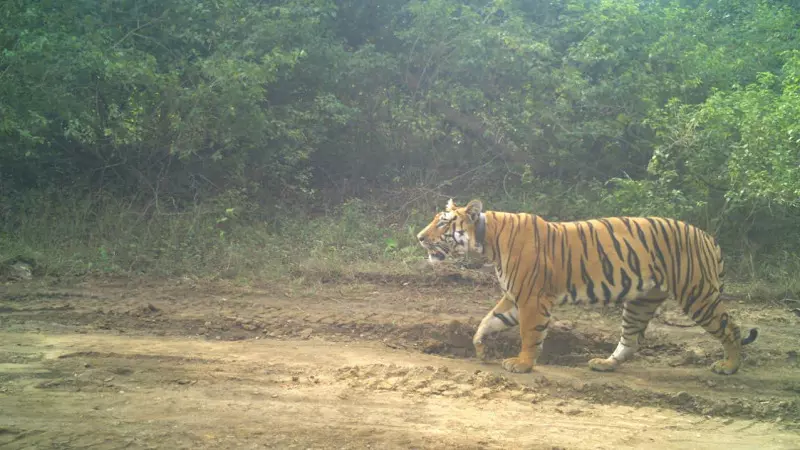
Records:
x=564, y=344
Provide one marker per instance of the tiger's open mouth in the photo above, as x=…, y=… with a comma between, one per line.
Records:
x=439, y=256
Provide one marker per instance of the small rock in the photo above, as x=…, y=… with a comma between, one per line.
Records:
x=689, y=357
x=482, y=393
x=430, y=346
x=567, y=324
x=305, y=334
x=532, y=397
x=682, y=397
x=21, y=271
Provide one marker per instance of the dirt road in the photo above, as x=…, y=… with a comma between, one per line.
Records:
x=368, y=364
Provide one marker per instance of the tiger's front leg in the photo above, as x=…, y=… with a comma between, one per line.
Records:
x=534, y=319
x=502, y=316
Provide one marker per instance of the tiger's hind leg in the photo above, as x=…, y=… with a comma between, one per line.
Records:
x=636, y=315
x=503, y=315
x=712, y=315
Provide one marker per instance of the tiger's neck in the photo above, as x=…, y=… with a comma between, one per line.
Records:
x=516, y=242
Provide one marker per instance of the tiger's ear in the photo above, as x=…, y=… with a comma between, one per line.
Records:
x=451, y=206
x=474, y=209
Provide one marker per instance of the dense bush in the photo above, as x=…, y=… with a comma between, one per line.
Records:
x=128, y=115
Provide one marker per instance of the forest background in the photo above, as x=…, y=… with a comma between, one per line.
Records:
x=251, y=139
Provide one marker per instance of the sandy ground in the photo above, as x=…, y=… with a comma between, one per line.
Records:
x=373, y=363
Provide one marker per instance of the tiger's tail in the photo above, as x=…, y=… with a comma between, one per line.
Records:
x=750, y=336
x=753, y=334
x=720, y=266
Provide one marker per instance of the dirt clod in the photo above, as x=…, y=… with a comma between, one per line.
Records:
x=306, y=333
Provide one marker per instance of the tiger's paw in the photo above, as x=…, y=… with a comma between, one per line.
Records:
x=517, y=365
x=724, y=367
x=603, y=364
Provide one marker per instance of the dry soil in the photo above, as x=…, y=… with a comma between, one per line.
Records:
x=368, y=363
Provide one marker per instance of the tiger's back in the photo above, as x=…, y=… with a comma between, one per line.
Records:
x=617, y=259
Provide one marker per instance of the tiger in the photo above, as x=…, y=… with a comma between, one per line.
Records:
x=635, y=261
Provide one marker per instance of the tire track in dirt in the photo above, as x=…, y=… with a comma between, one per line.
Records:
x=114, y=391
x=670, y=372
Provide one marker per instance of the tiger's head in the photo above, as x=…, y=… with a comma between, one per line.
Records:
x=456, y=230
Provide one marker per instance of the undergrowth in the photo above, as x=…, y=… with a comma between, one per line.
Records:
x=67, y=236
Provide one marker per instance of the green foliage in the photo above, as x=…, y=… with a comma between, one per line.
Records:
x=737, y=153
x=201, y=118
x=354, y=232
x=172, y=96
x=64, y=234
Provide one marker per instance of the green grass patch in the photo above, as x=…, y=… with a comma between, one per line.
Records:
x=69, y=236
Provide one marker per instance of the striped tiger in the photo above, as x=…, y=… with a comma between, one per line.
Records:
x=635, y=261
